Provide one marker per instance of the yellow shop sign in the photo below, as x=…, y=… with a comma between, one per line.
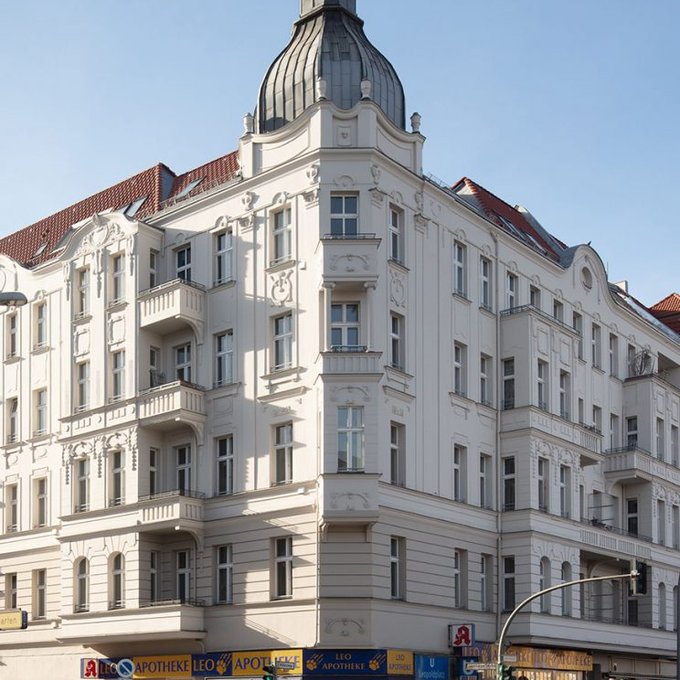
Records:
x=399, y=662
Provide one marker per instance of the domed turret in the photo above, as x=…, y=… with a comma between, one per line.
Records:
x=329, y=57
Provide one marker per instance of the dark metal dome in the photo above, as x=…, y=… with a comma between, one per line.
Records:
x=328, y=57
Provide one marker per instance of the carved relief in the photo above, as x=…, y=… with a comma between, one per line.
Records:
x=349, y=263
x=116, y=329
x=349, y=501
x=397, y=289
x=344, y=182
x=313, y=173
x=344, y=135
x=376, y=174
x=344, y=627
x=281, y=287
x=248, y=199
x=350, y=395
x=81, y=341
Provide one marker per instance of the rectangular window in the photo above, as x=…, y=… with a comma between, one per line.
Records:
x=485, y=481
x=183, y=457
x=460, y=369
x=154, y=576
x=511, y=282
x=283, y=567
x=675, y=526
x=183, y=562
x=344, y=215
x=508, y=584
x=459, y=269
x=345, y=327
x=154, y=455
x=11, y=508
x=631, y=359
x=283, y=453
x=542, y=483
x=581, y=411
x=565, y=491
x=40, y=325
x=117, y=278
x=350, y=438
x=577, y=324
x=596, y=346
x=675, y=444
x=39, y=502
x=225, y=574
x=12, y=419
x=117, y=472
x=485, y=297
x=183, y=263
x=117, y=375
x=613, y=355
x=81, y=488
x=542, y=385
x=82, y=292
x=225, y=465
x=632, y=516
x=281, y=236
x=459, y=472
x=156, y=378
x=558, y=310
x=631, y=432
x=457, y=578
x=597, y=419
x=660, y=439
x=153, y=268
x=661, y=522
x=613, y=431
x=40, y=409
x=508, y=383
x=397, y=341
x=535, y=297
x=224, y=254
x=224, y=358
x=12, y=325
x=485, y=379
x=396, y=231
x=397, y=568
x=283, y=341
x=485, y=582
x=397, y=453
x=11, y=591
x=39, y=593
x=183, y=363
x=83, y=386
x=509, y=483
x=565, y=395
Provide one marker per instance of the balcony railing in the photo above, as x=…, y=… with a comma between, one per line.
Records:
x=539, y=312
x=600, y=524
x=348, y=348
x=349, y=237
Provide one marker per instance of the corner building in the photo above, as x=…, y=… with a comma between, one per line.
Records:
x=307, y=403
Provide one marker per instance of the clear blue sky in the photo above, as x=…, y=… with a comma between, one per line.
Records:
x=571, y=108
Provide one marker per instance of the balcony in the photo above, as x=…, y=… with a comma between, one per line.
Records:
x=175, y=402
x=350, y=258
x=171, y=306
x=170, y=511
x=632, y=463
x=350, y=360
x=348, y=499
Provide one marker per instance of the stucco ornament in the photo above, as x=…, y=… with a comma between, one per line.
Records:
x=397, y=289
x=281, y=288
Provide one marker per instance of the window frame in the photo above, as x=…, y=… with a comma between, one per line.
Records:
x=283, y=452
x=224, y=257
x=282, y=585
x=341, y=220
x=283, y=338
x=352, y=432
x=282, y=236
x=224, y=458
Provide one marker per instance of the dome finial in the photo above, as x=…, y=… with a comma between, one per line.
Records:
x=307, y=6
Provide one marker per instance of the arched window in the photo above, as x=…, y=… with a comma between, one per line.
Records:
x=82, y=585
x=544, y=573
x=566, y=592
x=117, y=581
x=662, y=606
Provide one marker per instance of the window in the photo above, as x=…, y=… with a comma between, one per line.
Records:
x=117, y=278
x=153, y=268
x=40, y=403
x=485, y=380
x=350, y=438
x=675, y=526
x=344, y=215
x=675, y=607
x=511, y=282
x=397, y=453
x=156, y=378
x=117, y=375
x=508, y=584
x=543, y=583
x=81, y=488
x=485, y=582
x=565, y=394
x=183, y=454
x=631, y=354
x=183, y=363
x=397, y=568
x=183, y=561
x=631, y=432
x=117, y=582
x=82, y=292
x=39, y=593
x=566, y=592
x=675, y=450
x=82, y=586
x=543, y=480
x=613, y=355
x=632, y=516
x=283, y=453
x=12, y=420
x=535, y=297
x=225, y=465
x=154, y=454
x=484, y=480
x=661, y=521
x=11, y=591
x=577, y=324
x=154, y=580
x=509, y=483
x=224, y=253
x=459, y=472
x=225, y=575
x=345, y=326
x=613, y=431
x=565, y=491
x=485, y=283
x=460, y=369
x=40, y=325
x=660, y=439
x=396, y=234
x=117, y=472
x=558, y=310
x=283, y=341
x=11, y=508
x=183, y=263
x=224, y=358
x=397, y=341
x=283, y=567
x=39, y=502
x=457, y=578
x=281, y=236
x=459, y=269
x=595, y=341
x=508, y=383
x=83, y=385
x=12, y=325
x=662, y=606
x=542, y=385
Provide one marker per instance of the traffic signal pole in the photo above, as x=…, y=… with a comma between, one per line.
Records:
x=500, y=666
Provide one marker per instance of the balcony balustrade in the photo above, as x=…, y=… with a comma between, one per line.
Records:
x=172, y=305
x=350, y=258
x=174, y=402
x=348, y=498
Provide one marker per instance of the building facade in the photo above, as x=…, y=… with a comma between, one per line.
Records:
x=306, y=402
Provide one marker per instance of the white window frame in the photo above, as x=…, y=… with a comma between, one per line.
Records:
x=508, y=366
x=577, y=325
x=82, y=385
x=565, y=491
x=11, y=590
x=154, y=460
x=81, y=600
x=460, y=369
x=661, y=439
x=11, y=507
x=397, y=453
x=117, y=476
x=509, y=594
x=282, y=239
x=542, y=387
x=83, y=292
x=117, y=375
x=397, y=328
x=346, y=323
x=81, y=485
x=117, y=278
x=183, y=467
x=459, y=468
x=596, y=345
x=183, y=575
x=40, y=406
x=396, y=234
x=40, y=502
x=224, y=257
x=542, y=480
x=459, y=269
x=153, y=268
x=283, y=453
x=511, y=286
x=485, y=291
x=509, y=483
x=117, y=581
x=183, y=361
x=39, y=604
x=282, y=585
x=397, y=567
x=41, y=325
x=282, y=341
x=345, y=221
x=224, y=358
x=183, y=262
x=485, y=379
x=12, y=420
x=565, y=395
x=224, y=578
x=225, y=465
x=154, y=575
x=350, y=431
x=613, y=355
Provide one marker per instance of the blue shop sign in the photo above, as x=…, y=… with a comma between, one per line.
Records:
x=344, y=662
x=431, y=667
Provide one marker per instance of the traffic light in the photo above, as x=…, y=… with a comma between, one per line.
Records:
x=638, y=581
x=269, y=672
x=504, y=672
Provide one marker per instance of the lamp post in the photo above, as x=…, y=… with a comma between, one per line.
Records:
x=12, y=299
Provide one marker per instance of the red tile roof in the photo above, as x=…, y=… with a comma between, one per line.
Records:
x=668, y=311
x=157, y=184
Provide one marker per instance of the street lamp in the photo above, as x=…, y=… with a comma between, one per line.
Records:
x=13, y=299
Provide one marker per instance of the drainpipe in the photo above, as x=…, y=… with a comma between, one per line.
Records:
x=499, y=467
